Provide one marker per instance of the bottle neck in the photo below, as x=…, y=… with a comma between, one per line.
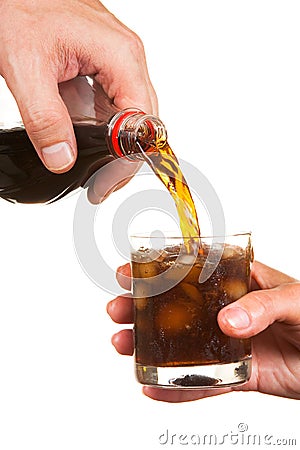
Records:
x=131, y=133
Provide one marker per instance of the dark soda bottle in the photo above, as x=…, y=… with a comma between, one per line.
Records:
x=110, y=134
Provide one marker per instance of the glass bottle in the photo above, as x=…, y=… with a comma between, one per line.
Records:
x=102, y=133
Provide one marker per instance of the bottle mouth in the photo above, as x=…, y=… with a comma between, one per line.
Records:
x=151, y=133
x=132, y=132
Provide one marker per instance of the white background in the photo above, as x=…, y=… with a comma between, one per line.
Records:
x=227, y=77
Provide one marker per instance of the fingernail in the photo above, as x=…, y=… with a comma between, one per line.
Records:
x=58, y=156
x=237, y=317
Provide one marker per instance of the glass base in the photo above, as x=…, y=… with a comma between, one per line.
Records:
x=195, y=377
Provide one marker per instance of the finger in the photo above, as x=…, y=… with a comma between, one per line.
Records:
x=45, y=117
x=266, y=277
x=254, y=312
x=123, y=342
x=128, y=82
x=125, y=77
x=180, y=395
x=124, y=276
x=111, y=178
x=120, y=309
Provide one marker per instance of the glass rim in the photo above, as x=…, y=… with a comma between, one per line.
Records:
x=173, y=235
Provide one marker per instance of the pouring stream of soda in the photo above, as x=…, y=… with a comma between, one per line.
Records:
x=164, y=164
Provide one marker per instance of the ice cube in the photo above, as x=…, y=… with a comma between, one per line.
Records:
x=175, y=317
x=193, y=275
x=191, y=291
x=161, y=256
x=229, y=251
x=235, y=288
x=141, y=289
x=148, y=270
x=176, y=272
x=186, y=259
x=140, y=303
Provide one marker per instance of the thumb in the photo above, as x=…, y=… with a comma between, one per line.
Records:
x=46, y=120
x=254, y=312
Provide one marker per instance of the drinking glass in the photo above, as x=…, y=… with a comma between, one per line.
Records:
x=179, y=286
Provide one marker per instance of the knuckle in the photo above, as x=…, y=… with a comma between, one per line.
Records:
x=294, y=289
x=40, y=123
x=134, y=44
x=263, y=305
